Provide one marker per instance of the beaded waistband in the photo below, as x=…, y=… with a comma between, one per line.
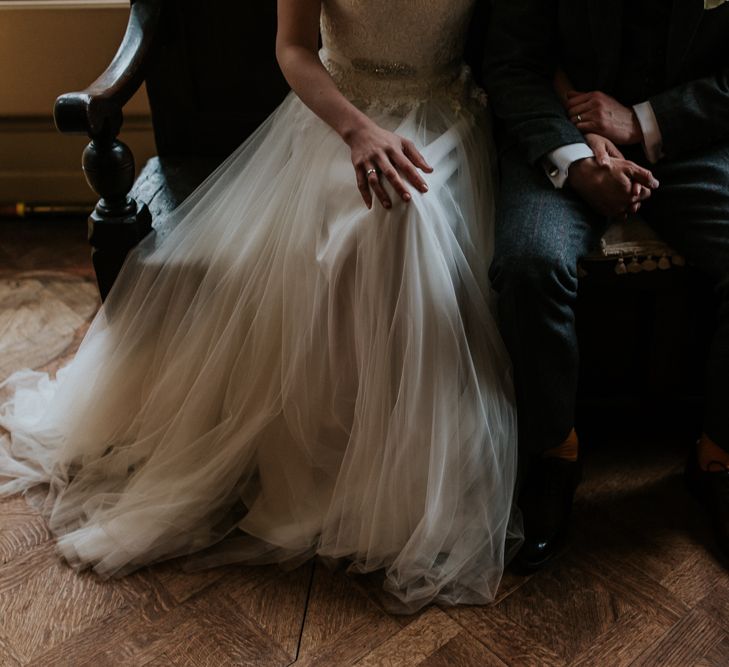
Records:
x=392, y=85
x=388, y=69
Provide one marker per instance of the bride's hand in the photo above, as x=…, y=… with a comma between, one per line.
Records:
x=605, y=151
x=377, y=153
x=603, y=148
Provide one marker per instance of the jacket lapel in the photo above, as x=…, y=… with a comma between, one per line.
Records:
x=687, y=15
x=606, y=18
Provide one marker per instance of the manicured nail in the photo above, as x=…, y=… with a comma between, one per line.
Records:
x=424, y=187
x=655, y=183
x=407, y=196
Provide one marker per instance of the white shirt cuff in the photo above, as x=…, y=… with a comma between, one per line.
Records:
x=557, y=163
x=652, y=139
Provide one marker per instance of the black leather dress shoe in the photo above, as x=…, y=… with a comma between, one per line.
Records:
x=711, y=489
x=546, y=504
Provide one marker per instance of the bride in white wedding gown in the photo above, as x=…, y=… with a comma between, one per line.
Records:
x=287, y=368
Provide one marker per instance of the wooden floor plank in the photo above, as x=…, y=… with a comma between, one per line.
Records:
x=623, y=641
x=21, y=528
x=715, y=604
x=414, y=643
x=565, y=597
x=121, y=638
x=182, y=584
x=353, y=641
x=27, y=565
x=162, y=660
x=462, y=651
x=39, y=317
x=696, y=578
x=278, y=606
x=718, y=656
x=687, y=643
x=222, y=635
x=511, y=642
x=51, y=604
x=633, y=507
x=8, y=656
x=639, y=590
x=145, y=595
x=335, y=607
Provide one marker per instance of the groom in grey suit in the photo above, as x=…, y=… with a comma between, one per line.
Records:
x=641, y=122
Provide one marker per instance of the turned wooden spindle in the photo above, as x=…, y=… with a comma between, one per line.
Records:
x=117, y=223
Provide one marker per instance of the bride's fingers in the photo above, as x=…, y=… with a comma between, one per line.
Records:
x=362, y=185
x=602, y=154
x=415, y=156
x=613, y=151
x=373, y=179
x=408, y=170
x=390, y=173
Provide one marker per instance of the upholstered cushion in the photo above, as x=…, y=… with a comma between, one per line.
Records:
x=633, y=246
x=165, y=182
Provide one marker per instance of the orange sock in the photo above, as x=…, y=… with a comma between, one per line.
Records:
x=567, y=450
x=710, y=452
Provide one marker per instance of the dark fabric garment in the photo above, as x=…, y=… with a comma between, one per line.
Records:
x=541, y=231
x=643, y=51
x=690, y=211
x=528, y=39
x=540, y=234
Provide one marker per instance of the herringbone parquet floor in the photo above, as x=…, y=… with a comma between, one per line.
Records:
x=639, y=583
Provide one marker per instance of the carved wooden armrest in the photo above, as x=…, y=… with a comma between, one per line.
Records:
x=97, y=111
x=117, y=223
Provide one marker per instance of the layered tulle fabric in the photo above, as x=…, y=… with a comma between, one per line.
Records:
x=280, y=372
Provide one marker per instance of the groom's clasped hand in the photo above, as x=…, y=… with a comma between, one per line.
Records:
x=610, y=184
x=602, y=114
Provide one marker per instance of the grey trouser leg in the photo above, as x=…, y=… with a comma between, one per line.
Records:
x=540, y=234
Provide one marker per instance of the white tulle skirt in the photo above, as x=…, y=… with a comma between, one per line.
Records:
x=280, y=372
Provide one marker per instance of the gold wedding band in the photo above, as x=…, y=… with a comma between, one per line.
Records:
x=371, y=171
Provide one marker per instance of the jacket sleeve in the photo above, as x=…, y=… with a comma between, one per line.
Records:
x=519, y=67
x=693, y=114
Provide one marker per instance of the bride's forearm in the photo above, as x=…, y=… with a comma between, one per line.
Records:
x=310, y=80
x=376, y=153
x=297, y=44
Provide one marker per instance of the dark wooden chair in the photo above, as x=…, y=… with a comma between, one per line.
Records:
x=212, y=78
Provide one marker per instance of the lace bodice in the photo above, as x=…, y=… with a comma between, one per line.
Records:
x=390, y=52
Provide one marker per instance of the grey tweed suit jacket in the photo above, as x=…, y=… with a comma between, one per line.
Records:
x=529, y=39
